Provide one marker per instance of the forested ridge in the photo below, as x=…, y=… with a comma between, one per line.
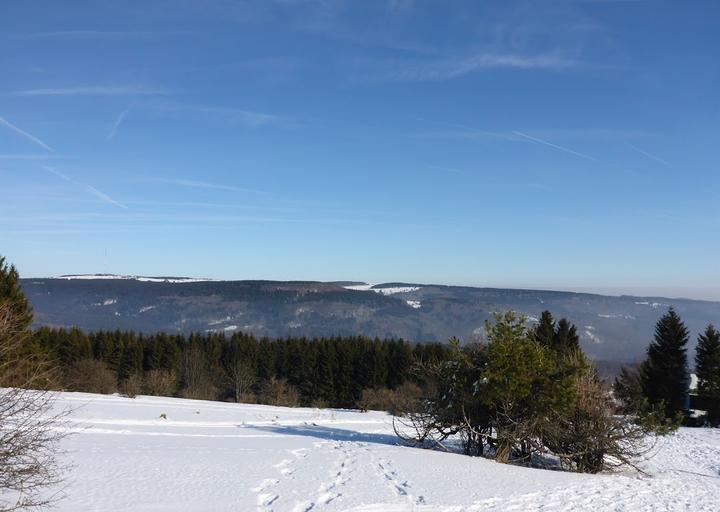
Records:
x=332, y=371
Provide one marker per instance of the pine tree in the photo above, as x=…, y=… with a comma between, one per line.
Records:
x=627, y=388
x=12, y=294
x=566, y=338
x=545, y=330
x=707, y=368
x=664, y=374
x=323, y=375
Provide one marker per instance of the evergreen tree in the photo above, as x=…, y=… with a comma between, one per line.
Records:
x=545, y=330
x=566, y=338
x=664, y=374
x=628, y=389
x=707, y=368
x=12, y=294
x=324, y=382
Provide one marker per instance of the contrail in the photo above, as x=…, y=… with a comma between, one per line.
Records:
x=649, y=155
x=203, y=184
x=90, y=189
x=25, y=134
x=561, y=148
x=116, y=125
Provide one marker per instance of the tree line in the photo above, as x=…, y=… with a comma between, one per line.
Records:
x=330, y=372
x=661, y=383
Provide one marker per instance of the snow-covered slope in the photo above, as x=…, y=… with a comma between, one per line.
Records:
x=216, y=456
x=86, y=277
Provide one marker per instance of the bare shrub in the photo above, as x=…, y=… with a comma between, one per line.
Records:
x=375, y=399
x=28, y=426
x=91, y=376
x=242, y=377
x=592, y=438
x=132, y=386
x=196, y=376
x=248, y=398
x=402, y=400
x=319, y=403
x=160, y=383
x=279, y=392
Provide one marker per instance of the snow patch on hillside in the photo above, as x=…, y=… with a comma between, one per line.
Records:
x=106, y=302
x=653, y=305
x=416, y=304
x=359, y=287
x=590, y=334
x=134, y=278
x=391, y=290
x=618, y=315
x=387, y=290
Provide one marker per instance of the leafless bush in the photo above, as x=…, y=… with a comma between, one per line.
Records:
x=242, y=377
x=29, y=435
x=91, y=376
x=160, y=383
x=279, y=392
x=592, y=438
x=196, y=376
x=401, y=400
x=132, y=386
x=248, y=398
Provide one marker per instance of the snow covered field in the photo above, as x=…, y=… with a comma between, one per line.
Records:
x=214, y=456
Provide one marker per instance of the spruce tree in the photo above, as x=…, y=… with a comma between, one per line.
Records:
x=11, y=293
x=545, y=330
x=664, y=373
x=707, y=368
x=566, y=338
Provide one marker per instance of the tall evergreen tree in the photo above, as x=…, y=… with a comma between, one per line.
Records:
x=545, y=330
x=566, y=338
x=12, y=294
x=664, y=373
x=707, y=368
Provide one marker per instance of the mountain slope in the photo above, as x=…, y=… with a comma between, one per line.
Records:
x=611, y=328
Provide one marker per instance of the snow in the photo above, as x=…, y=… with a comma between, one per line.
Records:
x=653, y=305
x=626, y=317
x=386, y=290
x=391, y=290
x=693, y=382
x=589, y=334
x=359, y=287
x=414, y=304
x=106, y=302
x=136, y=278
x=220, y=456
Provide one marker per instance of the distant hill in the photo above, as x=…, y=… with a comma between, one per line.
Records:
x=611, y=328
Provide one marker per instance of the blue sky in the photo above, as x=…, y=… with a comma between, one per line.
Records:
x=561, y=144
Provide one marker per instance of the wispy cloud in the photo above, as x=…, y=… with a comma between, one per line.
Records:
x=550, y=144
x=30, y=156
x=76, y=34
x=448, y=69
x=204, y=184
x=649, y=155
x=24, y=134
x=88, y=188
x=247, y=117
x=95, y=91
x=116, y=125
x=102, y=34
